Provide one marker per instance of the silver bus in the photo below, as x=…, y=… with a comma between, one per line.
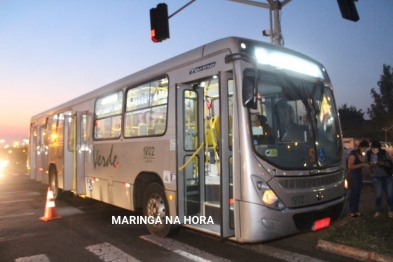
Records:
x=238, y=133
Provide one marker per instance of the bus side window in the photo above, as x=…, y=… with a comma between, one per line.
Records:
x=146, y=109
x=108, y=111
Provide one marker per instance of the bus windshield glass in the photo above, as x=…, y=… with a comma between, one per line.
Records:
x=295, y=124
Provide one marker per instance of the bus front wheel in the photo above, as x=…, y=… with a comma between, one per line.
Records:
x=155, y=205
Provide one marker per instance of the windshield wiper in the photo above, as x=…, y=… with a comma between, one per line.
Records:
x=307, y=99
x=312, y=107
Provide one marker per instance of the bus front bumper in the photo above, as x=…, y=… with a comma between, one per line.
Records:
x=259, y=223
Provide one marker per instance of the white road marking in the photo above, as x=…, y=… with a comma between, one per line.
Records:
x=189, y=256
x=18, y=215
x=14, y=237
x=191, y=253
x=36, y=258
x=281, y=254
x=107, y=252
x=20, y=193
x=15, y=192
x=14, y=201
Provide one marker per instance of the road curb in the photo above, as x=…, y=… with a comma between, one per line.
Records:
x=352, y=252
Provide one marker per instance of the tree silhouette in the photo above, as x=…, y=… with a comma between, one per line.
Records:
x=352, y=121
x=381, y=112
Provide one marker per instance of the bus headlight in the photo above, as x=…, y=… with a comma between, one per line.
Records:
x=267, y=195
x=346, y=186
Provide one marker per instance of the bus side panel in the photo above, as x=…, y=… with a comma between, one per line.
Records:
x=32, y=151
x=97, y=188
x=122, y=195
x=113, y=166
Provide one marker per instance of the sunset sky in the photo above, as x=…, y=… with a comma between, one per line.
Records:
x=54, y=50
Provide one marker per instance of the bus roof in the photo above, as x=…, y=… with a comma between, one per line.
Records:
x=230, y=43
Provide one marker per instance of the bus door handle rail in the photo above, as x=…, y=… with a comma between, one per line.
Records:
x=193, y=155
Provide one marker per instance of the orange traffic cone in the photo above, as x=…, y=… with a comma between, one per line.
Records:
x=50, y=208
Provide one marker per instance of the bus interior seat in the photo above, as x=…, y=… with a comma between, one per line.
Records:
x=159, y=129
x=116, y=131
x=159, y=126
x=208, y=134
x=142, y=129
x=285, y=117
x=296, y=133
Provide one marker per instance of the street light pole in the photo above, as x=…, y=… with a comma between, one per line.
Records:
x=274, y=7
x=386, y=132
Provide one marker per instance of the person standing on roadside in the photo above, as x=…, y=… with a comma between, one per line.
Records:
x=381, y=164
x=356, y=161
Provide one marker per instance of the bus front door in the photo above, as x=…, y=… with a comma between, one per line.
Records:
x=204, y=186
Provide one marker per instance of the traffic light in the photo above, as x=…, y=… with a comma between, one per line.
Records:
x=348, y=9
x=159, y=23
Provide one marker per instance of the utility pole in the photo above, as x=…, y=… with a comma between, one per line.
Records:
x=386, y=129
x=274, y=7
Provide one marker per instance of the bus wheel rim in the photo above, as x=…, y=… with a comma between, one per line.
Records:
x=156, y=207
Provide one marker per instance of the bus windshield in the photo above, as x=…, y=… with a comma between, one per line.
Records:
x=295, y=125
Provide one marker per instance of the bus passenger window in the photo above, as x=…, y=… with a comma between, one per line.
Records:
x=146, y=109
x=108, y=111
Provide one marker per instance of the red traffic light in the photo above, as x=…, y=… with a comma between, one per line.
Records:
x=348, y=10
x=159, y=23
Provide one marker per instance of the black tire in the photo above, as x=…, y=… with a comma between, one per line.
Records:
x=155, y=204
x=53, y=184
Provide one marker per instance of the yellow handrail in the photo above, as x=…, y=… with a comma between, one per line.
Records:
x=193, y=155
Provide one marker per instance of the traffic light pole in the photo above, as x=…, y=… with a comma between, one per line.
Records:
x=347, y=8
x=274, y=7
x=159, y=21
x=181, y=8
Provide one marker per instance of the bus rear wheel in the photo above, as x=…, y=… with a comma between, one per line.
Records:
x=156, y=205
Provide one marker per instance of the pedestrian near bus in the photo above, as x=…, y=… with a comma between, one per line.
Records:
x=356, y=161
x=381, y=165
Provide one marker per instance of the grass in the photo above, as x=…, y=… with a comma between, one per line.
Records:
x=367, y=233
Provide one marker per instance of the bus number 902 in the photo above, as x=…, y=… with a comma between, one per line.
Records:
x=297, y=200
x=148, y=151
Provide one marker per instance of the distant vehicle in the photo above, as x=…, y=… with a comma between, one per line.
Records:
x=388, y=147
x=351, y=142
x=347, y=151
x=3, y=167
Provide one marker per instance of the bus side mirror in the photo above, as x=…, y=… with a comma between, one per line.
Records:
x=249, y=92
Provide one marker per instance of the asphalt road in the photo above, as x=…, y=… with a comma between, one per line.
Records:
x=85, y=233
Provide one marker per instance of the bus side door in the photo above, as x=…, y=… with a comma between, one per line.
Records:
x=204, y=153
x=81, y=141
x=41, y=157
x=68, y=150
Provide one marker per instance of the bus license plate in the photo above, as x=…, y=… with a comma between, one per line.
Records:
x=322, y=223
